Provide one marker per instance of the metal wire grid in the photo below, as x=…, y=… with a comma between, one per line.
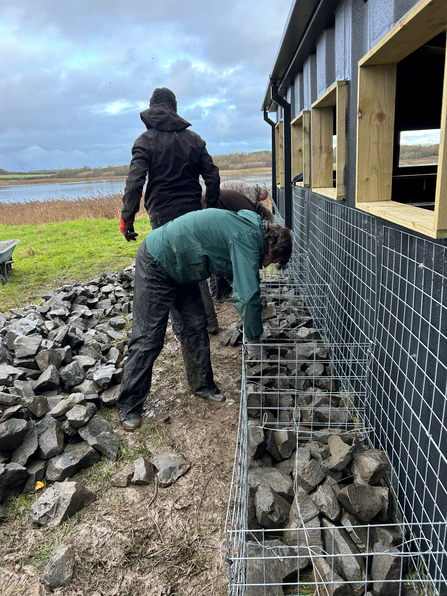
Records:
x=408, y=408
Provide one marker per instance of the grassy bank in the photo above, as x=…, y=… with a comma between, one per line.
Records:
x=49, y=255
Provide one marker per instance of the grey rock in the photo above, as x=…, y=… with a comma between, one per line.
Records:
x=271, y=446
x=386, y=567
x=87, y=387
x=12, y=433
x=99, y=434
x=13, y=478
x=329, y=582
x=124, y=477
x=341, y=453
x=272, y=511
x=269, y=574
x=356, y=530
x=59, y=571
x=75, y=457
x=27, y=448
x=386, y=511
x=117, y=322
x=103, y=375
x=36, y=470
x=309, y=475
x=37, y=405
x=72, y=374
x=349, y=566
x=300, y=458
x=388, y=536
x=327, y=502
x=109, y=397
x=66, y=404
x=8, y=400
x=143, y=472
x=364, y=502
x=69, y=430
x=306, y=536
x=24, y=388
x=85, y=362
x=255, y=441
x=286, y=443
x=273, y=478
x=46, y=358
x=51, y=441
x=78, y=416
x=305, y=505
x=27, y=345
x=170, y=467
x=60, y=502
x=369, y=467
x=10, y=374
x=18, y=412
x=48, y=380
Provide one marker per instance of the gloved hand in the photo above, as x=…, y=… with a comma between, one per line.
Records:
x=254, y=349
x=127, y=229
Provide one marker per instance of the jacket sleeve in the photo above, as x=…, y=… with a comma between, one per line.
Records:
x=139, y=167
x=246, y=284
x=210, y=174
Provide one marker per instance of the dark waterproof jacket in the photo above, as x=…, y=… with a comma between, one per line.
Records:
x=174, y=158
x=228, y=244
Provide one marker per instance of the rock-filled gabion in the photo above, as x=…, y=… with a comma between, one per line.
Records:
x=316, y=500
x=59, y=362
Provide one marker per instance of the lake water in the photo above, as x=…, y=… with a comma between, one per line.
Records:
x=44, y=191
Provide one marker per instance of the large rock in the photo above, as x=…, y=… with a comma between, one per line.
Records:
x=280, y=483
x=364, y=502
x=143, y=472
x=46, y=358
x=48, y=380
x=27, y=449
x=59, y=502
x=341, y=453
x=59, y=571
x=64, y=405
x=51, y=441
x=170, y=467
x=75, y=457
x=309, y=475
x=369, y=467
x=13, y=478
x=328, y=582
x=326, y=500
x=349, y=566
x=109, y=397
x=27, y=345
x=72, y=374
x=12, y=433
x=272, y=511
x=103, y=375
x=9, y=374
x=37, y=405
x=386, y=567
x=78, y=416
x=99, y=434
x=268, y=565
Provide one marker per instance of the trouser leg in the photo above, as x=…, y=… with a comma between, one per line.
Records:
x=189, y=314
x=154, y=293
x=211, y=317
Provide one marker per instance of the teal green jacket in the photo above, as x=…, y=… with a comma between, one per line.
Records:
x=228, y=244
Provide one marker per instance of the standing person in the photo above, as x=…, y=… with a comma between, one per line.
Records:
x=177, y=256
x=173, y=158
x=232, y=200
x=255, y=192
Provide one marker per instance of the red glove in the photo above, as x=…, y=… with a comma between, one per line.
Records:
x=126, y=228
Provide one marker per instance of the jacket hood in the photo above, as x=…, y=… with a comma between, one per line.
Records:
x=162, y=117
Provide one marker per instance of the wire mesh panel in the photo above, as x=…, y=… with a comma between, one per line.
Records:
x=408, y=408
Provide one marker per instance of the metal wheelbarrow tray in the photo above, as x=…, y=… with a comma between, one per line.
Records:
x=6, y=260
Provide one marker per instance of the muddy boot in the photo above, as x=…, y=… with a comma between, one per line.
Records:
x=213, y=326
x=212, y=394
x=131, y=421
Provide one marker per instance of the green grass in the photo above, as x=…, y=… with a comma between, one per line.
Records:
x=49, y=255
x=21, y=176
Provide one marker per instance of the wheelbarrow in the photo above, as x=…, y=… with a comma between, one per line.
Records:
x=6, y=260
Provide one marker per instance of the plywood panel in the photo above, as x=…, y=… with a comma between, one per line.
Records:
x=297, y=147
x=341, y=151
x=328, y=98
x=375, y=132
x=322, y=148
x=306, y=148
x=279, y=136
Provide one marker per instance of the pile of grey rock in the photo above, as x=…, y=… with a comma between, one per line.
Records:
x=316, y=497
x=59, y=363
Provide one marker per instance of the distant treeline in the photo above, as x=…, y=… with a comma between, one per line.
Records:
x=418, y=151
x=232, y=161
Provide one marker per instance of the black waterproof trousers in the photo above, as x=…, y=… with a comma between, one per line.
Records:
x=155, y=293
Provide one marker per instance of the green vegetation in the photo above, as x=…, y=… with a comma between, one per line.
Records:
x=22, y=176
x=419, y=151
x=49, y=255
x=244, y=161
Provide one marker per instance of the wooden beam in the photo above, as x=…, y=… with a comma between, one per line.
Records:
x=306, y=148
x=375, y=132
x=279, y=133
x=441, y=179
x=423, y=22
x=297, y=146
x=322, y=146
x=341, y=116
x=328, y=98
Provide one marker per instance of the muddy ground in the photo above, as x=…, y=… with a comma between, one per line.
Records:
x=147, y=541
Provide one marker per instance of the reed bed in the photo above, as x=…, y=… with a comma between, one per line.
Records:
x=93, y=206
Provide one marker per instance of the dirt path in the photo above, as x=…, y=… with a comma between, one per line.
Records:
x=144, y=541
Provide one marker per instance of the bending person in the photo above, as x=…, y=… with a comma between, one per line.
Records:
x=169, y=264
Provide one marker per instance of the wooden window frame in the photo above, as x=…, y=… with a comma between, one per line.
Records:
x=300, y=140
x=375, y=124
x=322, y=126
x=279, y=144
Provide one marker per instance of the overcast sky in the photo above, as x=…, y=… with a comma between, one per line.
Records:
x=74, y=75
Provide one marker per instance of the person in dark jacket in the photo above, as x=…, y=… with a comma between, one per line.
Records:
x=173, y=158
x=177, y=256
x=232, y=200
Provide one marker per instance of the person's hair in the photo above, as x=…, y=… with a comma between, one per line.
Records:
x=279, y=243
